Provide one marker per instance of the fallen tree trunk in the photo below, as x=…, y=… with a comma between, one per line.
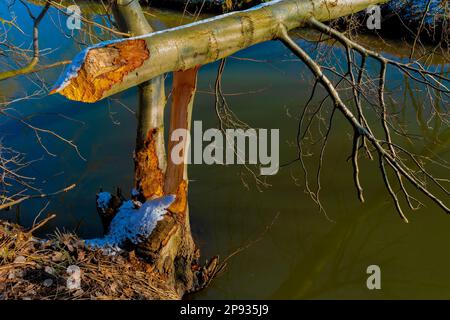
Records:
x=201, y=6
x=113, y=66
x=405, y=19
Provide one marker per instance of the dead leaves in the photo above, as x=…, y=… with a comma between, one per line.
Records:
x=34, y=269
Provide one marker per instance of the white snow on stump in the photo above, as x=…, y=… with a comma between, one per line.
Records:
x=132, y=224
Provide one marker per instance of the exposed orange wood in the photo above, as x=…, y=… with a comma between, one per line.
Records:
x=148, y=175
x=104, y=67
x=184, y=86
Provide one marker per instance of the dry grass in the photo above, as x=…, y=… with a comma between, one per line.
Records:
x=32, y=268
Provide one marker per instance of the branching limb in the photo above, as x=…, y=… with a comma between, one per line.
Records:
x=36, y=196
x=361, y=127
x=30, y=67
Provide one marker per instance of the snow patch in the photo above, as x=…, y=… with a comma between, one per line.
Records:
x=132, y=224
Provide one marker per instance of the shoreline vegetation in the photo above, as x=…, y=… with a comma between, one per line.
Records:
x=401, y=19
x=34, y=268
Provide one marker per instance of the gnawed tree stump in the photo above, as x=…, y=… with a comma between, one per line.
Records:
x=170, y=247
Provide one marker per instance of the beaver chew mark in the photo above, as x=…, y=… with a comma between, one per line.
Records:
x=104, y=67
x=149, y=177
x=180, y=204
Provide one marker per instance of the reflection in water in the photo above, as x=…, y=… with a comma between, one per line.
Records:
x=304, y=255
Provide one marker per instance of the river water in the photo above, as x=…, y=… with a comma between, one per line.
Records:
x=305, y=253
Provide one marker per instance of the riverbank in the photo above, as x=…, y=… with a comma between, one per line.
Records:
x=62, y=268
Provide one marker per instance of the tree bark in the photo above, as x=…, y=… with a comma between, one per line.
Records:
x=149, y=155
x=170, y=248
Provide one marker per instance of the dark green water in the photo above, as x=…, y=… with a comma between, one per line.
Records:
x=305, y=254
